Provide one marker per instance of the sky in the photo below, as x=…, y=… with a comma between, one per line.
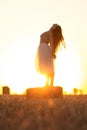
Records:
x=22, y=22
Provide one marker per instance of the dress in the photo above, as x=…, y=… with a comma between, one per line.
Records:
x=44, y=60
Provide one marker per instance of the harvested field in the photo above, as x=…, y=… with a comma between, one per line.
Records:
x=18, y=113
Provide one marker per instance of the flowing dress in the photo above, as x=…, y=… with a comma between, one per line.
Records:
x=44, y=59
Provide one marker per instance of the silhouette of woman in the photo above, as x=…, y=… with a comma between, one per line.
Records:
x=50, y=41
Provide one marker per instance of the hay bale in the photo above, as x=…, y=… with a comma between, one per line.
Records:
x=5, y=90
x=45, y=92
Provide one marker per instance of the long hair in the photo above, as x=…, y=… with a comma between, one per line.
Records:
x=58, y=38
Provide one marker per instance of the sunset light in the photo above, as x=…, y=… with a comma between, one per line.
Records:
x=42, y=88
x=19, y=70
x=21, y=25
x=68, y=70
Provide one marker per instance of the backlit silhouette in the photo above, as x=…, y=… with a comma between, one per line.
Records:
x=50, y=41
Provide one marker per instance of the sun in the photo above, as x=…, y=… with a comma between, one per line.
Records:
x=67, y=70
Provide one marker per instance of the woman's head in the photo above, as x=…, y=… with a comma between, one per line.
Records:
x=58, y=38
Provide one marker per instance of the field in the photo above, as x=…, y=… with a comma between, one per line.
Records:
x=18, y=113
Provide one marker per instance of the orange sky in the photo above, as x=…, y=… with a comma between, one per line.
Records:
x=22, y=22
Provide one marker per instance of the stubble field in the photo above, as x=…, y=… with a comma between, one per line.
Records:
x=18, y=113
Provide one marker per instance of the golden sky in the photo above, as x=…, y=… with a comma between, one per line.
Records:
x=22, y=22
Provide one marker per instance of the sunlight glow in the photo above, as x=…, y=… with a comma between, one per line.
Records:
x=21, y=24
x=19, y=70
x=68, y=70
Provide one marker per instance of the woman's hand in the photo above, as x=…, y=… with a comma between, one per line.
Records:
x=54, y=56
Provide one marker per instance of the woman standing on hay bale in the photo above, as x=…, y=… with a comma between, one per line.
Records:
x=50, y=41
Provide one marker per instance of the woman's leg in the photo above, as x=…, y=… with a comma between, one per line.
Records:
x=47, y=81
x=51, y=80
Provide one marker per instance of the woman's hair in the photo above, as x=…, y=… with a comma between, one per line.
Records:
x=44, y=37
x=58, y=38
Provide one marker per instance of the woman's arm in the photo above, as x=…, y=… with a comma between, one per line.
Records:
x=52, y=42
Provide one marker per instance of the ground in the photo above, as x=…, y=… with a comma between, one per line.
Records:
x=19, y=113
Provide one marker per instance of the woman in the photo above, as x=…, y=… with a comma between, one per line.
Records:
x=50, y=41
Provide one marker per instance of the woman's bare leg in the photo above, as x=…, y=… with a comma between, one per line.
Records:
x=51, y=80
x=47, y=81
